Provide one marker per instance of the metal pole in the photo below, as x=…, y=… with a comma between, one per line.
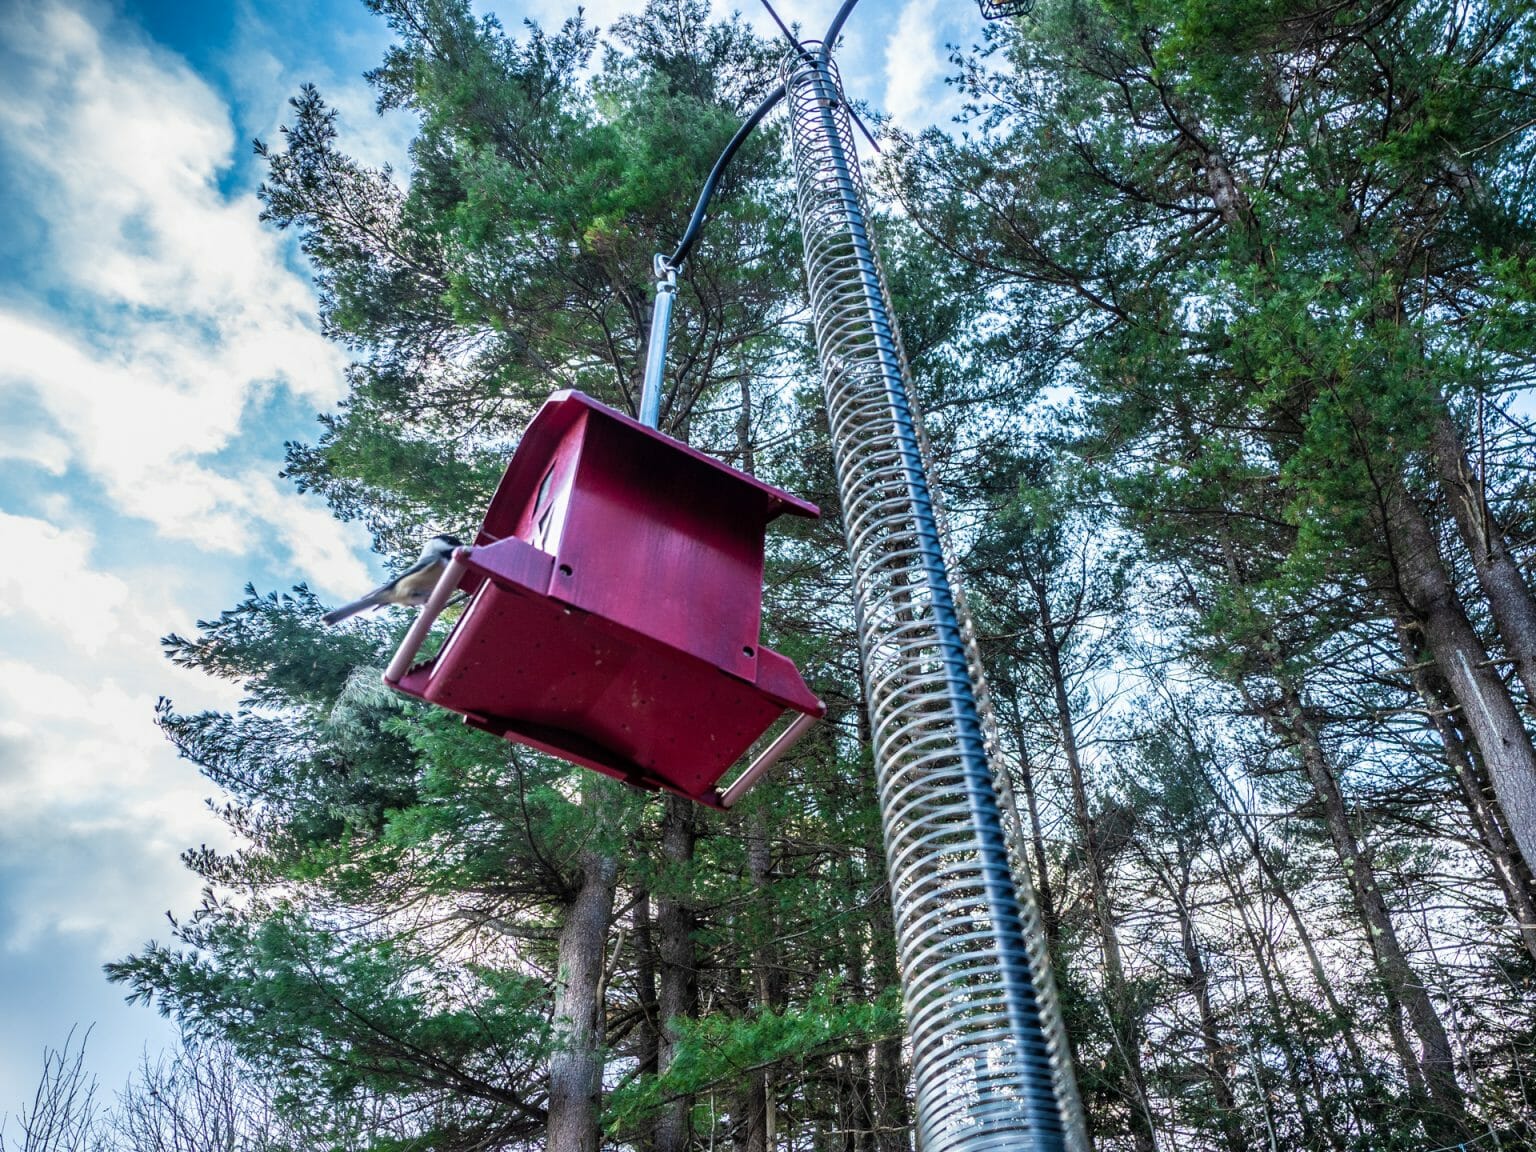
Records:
x=656, y=343
x=990, y=1066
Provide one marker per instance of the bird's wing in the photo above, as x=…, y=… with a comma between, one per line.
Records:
x=372, y=600
x=424, y=561
x=382, y=594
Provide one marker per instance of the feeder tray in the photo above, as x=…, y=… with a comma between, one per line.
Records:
x=615, y=597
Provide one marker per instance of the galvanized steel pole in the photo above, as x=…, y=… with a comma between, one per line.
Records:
x=656, y=342
x=990, y=1065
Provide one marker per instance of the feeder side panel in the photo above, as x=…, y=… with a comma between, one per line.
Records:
x=543, y=516
x=539, y=445
x=656, y=542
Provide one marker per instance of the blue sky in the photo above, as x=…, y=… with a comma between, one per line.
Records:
x=157, y=347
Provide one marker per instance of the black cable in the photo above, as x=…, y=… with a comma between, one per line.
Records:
x=835, y=28
x=784, y=28
x=691, y=233
x=833, y=31
x=696, y=221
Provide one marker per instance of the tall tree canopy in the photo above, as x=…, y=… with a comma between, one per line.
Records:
x=1221, y=316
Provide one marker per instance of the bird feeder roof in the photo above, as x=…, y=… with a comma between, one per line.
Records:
x=554, y=420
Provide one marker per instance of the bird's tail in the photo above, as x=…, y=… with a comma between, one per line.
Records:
x=337, y=615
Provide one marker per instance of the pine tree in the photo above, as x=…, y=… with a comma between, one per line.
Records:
x=470, y=941
x=1260, y=239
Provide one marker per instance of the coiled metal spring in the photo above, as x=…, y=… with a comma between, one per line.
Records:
x=989, y=1057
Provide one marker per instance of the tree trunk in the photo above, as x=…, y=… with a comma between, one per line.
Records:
x=762, y=1119
x=1488, y=710
x=758, y=1093
x=576, y=1068
x=1275, y=884
x=648, y=1047
x=1048, y=915
x=1270, y=973
x=677, y=985
x=893, y=1115
x=1218, y=1063
x=859, y=1109
x=1125, y=1019
x=1509, y=597
x=1505, y=864
x=1445, y=1119
x=749, y=1100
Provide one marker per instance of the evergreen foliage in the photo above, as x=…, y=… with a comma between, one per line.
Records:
x=1221, y=317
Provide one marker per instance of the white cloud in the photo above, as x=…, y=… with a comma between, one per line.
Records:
x=181, y=309
x=151, y=327
x=81, y=763
x=56, y=588
x=153, y=323
x=267, y=69
x=914, y=65
x=34, y=446
x=306, y=529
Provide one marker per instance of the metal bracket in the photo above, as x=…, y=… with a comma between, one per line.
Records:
x=430, y=611
x=656, y=345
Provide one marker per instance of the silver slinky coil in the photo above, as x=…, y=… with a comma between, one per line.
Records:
x=989, y=1056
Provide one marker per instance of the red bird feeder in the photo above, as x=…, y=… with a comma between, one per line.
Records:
x=615, y=599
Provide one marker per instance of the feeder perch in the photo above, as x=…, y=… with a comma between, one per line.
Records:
x=615, y=597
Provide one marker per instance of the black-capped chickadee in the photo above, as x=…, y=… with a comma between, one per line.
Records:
x=411, y=587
